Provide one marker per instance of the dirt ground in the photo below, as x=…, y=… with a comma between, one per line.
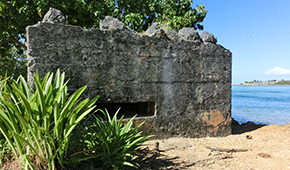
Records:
x=251, y=147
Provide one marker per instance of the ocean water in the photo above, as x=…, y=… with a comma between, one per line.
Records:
x=261, y=104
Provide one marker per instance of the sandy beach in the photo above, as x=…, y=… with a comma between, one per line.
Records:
x=251, y=147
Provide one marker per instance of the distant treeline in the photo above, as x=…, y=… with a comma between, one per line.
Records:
x=268, y=82
x=283, y=82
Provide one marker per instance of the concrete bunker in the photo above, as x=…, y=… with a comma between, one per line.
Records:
x=179, y=82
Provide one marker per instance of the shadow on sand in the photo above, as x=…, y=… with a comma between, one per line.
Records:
x=154, y=159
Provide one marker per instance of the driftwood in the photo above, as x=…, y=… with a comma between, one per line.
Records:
x=226, y=150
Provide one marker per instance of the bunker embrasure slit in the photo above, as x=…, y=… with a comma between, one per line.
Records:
x=141, y=109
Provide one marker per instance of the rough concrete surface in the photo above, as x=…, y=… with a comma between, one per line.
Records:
x=188, y=80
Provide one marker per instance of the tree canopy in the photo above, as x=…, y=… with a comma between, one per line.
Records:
x=16, y=15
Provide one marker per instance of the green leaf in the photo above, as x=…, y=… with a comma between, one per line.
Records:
x=40, y=95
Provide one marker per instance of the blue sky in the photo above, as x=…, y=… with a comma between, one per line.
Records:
x=257, y=32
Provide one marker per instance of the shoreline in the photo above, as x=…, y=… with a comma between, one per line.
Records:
x=261, y=104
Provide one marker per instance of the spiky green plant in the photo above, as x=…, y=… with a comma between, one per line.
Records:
x=38, y=122
x=112, y=142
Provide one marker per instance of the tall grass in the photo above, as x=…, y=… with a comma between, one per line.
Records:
x=38, y=122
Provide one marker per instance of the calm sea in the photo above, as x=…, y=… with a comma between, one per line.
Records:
x=261, y=104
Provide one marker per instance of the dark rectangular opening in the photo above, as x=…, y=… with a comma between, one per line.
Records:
x=142, y=109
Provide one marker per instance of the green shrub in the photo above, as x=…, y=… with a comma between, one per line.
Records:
x=38, y=122
x=111, y=143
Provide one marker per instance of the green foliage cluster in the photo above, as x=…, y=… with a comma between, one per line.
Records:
x=11, y=63
x=38, y=123
x=175, y=13
x=16, y=15
x=39, y=126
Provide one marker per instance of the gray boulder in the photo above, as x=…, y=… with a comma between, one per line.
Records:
x=189, y=34
x=156, y=30
x=111, y=23
x=208, y=37
x=54, y=16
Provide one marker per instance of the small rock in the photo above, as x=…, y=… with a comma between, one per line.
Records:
x=264, y=155
x=54, y=16
x=191, y=147
x=157, y=146
x=249, y=137
x=249, y=123
x=208, y=37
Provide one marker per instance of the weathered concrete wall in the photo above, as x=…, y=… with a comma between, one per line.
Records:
x=186, y=77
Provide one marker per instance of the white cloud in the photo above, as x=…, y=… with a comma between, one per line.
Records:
x=277, y=71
